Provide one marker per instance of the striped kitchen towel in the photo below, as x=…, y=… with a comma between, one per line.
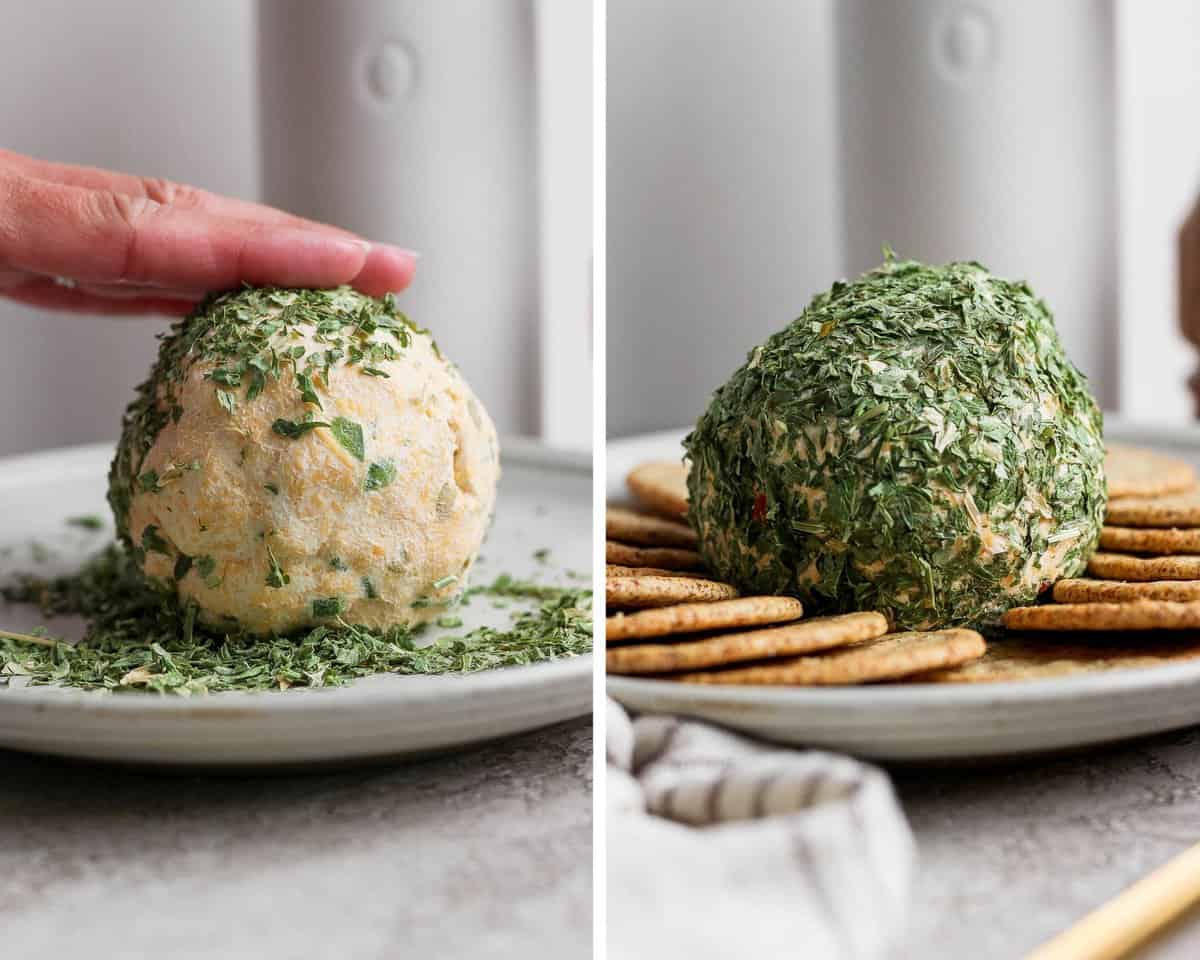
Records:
x=719, y=846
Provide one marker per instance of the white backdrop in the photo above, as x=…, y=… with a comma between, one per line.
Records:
x=171, y=89
x=723, y=214
x=163, y=89
x=724, y=197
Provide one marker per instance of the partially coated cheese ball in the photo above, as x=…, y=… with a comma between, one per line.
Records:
x=916, y=443
x=302, y=456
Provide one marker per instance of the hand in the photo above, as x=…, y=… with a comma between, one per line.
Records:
x=78, y=238
x=1189, y=288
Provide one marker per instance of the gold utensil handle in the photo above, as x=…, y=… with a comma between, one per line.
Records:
x=1130, y=918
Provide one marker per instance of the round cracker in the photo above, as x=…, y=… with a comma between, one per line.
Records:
x=643, y=529
x=1134, y=615
x=694, y=617
x=805, y=636
x=673, y=558
x=1119, y=566
x=616, y=570
x=1137, y=472
x=637, y=592
x=1124, y=591
x=1016, y=659
x=1171, y=510
x=890, y=657
x=1149, y=540
x=661, y=485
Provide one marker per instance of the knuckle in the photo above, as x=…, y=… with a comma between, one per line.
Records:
x=158, y=189
x=130, y=213
x=11, y=195
x=169, y=193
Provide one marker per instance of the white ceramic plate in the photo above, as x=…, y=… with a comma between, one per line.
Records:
x=926, y=721
x=545, y=501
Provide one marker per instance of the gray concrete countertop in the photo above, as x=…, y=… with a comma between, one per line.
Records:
x=1011, y=855
x=485, y=853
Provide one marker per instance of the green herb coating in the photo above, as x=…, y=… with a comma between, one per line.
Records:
x=346, y=434
x=325, y=607
x=379, y=475
x=276, y=577
x=916, y=442
x=153, y=543
x=350, y=435
x=246, y=332
x=295, y=429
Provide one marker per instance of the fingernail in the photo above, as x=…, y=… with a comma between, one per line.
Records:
x=401, y=251
x=343, y=243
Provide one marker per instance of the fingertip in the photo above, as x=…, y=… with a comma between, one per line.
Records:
x=290, y=257
x=387, y=269
x=337, y=255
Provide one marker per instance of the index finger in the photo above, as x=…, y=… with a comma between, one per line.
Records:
x=160, y=190
x=102, y=237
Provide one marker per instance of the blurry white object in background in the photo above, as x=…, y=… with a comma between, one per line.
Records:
x=723, y=216
x=564, y=70
x=416, y=123
x=1158, y=112
x=983, y=130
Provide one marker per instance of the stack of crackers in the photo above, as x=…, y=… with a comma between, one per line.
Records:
x=1140, y=601
x=670, y=619
x=1138, y=606
x=1146, y=574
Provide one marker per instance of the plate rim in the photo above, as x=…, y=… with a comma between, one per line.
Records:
x=906, y=694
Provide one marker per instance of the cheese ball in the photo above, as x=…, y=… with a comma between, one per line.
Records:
x=300, y=457
x=916, y=443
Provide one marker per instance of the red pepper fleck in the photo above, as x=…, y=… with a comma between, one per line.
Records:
x=760, y=508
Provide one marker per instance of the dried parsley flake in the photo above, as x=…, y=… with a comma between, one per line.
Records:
x=380, y=474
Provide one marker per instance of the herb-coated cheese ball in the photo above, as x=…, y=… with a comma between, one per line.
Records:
x=916, y=442
x=299, y=456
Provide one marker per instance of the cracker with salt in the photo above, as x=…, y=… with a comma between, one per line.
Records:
x=1137, y=472
x=647, y=530
x=1125, y=591
x=1170, y=510
x=661, y=485
x=890, y=657
x=1021, y=659
x=1119, y=566
x=695, y=617
x=673, y=558
x=804, y=636
x=635, y=592
x=1149, y=540
x=616, y=570
x=1134, y=615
